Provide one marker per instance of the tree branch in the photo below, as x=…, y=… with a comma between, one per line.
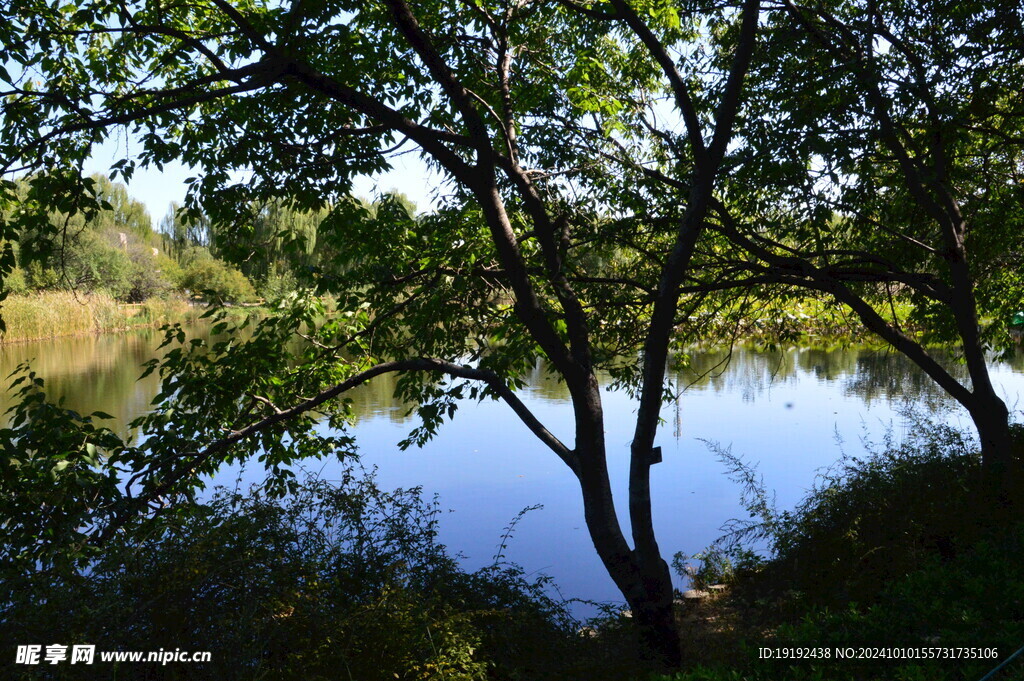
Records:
x=279, y=416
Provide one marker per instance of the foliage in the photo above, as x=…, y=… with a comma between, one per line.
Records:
x=889, y=550
x=884, y=166
x=91, y=263
x=277, y=286
x=16, y=282
x=338, y=580
x=114, y=250
x=51, y=480
x=208, y=276
x=169, y=270
x=867, y=520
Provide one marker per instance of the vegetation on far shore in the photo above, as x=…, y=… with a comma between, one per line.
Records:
x=49, y=314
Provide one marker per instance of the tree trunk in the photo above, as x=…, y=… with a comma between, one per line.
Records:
x=999, y=474
x=655, y=616
x=646, y=585
x=987, y=409
x=647, y=591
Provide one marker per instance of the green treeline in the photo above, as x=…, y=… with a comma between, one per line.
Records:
x=115, y=252
x=274, y=246
x=111, y=269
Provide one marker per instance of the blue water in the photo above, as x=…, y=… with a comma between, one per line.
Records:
x=791, y=421
x=785, y=411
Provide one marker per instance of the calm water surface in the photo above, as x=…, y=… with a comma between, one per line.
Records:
x=792, y=412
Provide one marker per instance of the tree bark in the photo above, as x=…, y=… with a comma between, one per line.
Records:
x=998, y=467
x=645, y=583
x=647, y=586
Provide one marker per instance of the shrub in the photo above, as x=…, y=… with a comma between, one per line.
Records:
x=16, y=282
x=335, y=581
x=87, y=263
x=896, y=549
x=170, y=270
x=39, y=278
x=866, y=519
x=146, y=278
x=277, y=286
x=225, y=282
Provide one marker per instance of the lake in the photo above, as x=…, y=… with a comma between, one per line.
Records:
x=791, y=412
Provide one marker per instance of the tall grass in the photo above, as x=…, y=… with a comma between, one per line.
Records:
x=61, y=313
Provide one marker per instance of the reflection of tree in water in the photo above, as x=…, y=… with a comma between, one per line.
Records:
x=377, y=398
x=91, y=373
x=1015, y=359
x=741, y=370
x=891, y=376
x=101, y=372
x=865, y=373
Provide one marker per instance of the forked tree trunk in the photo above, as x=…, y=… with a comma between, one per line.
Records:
x=646, y=586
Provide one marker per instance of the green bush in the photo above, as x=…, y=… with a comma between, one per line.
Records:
x=336, y=581
x=217, y=277
x=39, y=278
x=870, y=520
x=170, y=270
x=146, y=278
x=16, y=282
x=897, y=549
x=87, y=263
x=277, y=286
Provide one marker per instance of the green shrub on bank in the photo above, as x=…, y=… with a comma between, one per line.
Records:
x=226, y=283
x=874, y=519
x=895, y=550
x=15, y=282
x=277, y=286
x=336, y=581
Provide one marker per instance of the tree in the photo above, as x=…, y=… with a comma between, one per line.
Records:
x=110, y=249
x=878, y=160
x=179, y=235
x=303, y=96
x=224, y=281
x=887, y=166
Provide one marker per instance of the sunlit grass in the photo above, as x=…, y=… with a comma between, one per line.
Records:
x=62, y=313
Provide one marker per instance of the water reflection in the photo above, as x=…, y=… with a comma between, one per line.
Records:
x=99, y=373
x=870, y=374
x=782, y=409
x=91, y=373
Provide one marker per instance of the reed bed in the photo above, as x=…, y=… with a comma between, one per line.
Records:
x=62, y=313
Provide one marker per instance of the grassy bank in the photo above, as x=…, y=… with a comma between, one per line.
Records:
x=51, y=314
